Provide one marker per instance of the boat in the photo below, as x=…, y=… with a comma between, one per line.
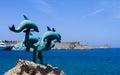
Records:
x=3, y=46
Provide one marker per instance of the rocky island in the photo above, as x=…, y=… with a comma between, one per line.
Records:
x=76, y=45
x=105, y=46
x=71, y=45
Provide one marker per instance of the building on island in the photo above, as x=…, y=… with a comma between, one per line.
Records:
x=71, y=45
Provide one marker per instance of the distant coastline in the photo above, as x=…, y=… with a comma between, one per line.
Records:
x=105, y=46
x=65, y=45
x=76, y=45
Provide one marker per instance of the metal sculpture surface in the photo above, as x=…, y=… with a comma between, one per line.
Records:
x=35, y=44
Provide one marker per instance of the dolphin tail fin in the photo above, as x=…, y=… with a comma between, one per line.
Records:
x=12, y=28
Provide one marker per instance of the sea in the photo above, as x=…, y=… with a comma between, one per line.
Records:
x=72, y=62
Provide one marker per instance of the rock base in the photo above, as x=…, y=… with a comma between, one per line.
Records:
x=25, y=67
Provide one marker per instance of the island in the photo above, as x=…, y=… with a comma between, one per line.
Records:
x=71, y=45
x=105, y=46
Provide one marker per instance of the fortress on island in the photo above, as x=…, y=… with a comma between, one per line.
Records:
x=71, y=45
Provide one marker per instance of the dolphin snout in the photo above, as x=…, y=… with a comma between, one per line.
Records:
x=59, y=41
x=37, y=30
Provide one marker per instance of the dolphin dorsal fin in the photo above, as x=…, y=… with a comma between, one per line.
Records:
x=48, y=28
x=26, y=18
x=53, y=30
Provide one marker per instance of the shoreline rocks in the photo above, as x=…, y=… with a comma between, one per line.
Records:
x=25, y=67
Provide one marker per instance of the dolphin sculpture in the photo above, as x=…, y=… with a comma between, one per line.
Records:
x=26, y=23
x=48, y=40
x=36, y=44
x=30, y=40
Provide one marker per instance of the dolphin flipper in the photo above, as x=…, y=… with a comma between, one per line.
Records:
x=26, y=18
x=53, y=30
x=48, y=28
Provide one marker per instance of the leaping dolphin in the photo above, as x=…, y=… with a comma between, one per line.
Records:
x=48, y=40
x=25, y=24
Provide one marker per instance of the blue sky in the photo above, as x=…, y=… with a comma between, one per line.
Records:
x=92, y=22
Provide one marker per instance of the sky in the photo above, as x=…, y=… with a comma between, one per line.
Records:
x=92, y=22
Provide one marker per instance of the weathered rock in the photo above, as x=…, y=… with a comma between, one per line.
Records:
x=25, y=67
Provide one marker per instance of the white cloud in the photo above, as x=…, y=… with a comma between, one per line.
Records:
x=42, y=6
x=98, y=11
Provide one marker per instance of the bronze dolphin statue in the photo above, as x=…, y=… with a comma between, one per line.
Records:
x=25, y=24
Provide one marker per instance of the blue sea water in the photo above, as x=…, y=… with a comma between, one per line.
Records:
x=72, y=62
